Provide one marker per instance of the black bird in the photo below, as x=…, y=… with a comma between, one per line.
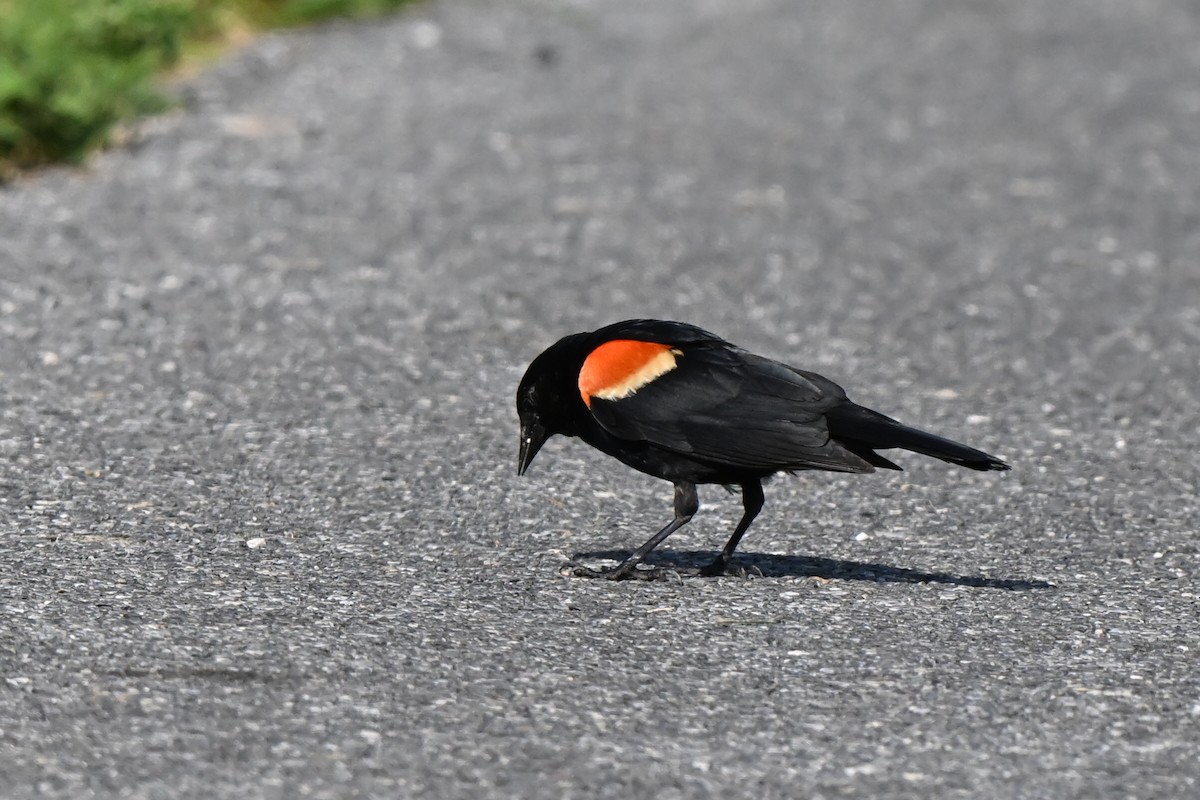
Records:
x=680, y=403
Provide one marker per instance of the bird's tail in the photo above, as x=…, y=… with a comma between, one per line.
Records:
x=860, y=429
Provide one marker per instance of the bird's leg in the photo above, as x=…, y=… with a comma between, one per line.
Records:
x=752, y=502
x=687, y=503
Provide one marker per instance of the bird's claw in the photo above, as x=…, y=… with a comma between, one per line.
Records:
x=631, y=574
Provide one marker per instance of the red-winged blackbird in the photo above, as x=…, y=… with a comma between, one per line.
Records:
x=680, y=403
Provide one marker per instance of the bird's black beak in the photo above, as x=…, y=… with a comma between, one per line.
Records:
x=533, y=436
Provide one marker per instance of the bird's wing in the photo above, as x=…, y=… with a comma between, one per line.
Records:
x=700, y=396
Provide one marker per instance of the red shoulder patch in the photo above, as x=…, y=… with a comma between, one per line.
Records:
x=619, y=368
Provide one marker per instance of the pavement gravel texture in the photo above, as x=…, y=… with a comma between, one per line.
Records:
x=261, y=531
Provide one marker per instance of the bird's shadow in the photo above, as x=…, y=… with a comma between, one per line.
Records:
x=771, y=565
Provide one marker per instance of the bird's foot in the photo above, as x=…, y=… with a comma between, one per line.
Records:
x=622, y=573
x=720, y=567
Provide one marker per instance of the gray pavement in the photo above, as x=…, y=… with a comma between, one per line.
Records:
x=261, y=533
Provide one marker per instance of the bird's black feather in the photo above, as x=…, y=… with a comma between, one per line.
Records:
x=716, y=414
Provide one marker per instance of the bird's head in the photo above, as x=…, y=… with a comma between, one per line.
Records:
x=548, y=397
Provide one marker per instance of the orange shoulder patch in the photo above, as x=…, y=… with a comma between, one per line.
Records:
x=619, y=368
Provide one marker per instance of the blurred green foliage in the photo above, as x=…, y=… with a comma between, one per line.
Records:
x=70, y=70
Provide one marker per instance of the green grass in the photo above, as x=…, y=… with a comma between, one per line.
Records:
x=71, y=70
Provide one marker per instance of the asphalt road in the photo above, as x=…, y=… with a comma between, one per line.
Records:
x=261, y=531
